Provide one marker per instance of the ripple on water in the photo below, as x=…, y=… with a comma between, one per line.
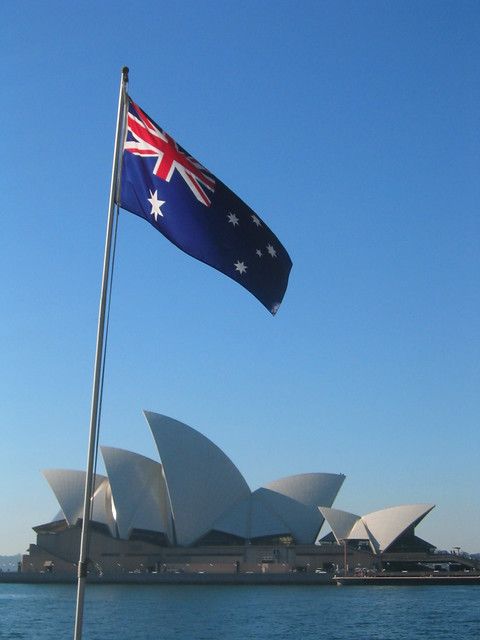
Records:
x=41, y=612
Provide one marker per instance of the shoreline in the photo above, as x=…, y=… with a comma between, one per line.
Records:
x=413, y=580
x=255, y=579
x=173, y=578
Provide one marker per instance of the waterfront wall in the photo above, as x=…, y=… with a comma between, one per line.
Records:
x=58, y=553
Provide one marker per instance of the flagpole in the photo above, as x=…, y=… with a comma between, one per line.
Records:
x=99, y=356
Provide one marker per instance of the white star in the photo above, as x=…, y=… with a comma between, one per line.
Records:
x=256, y=221
x=156, y=204
x=259, y=253
x=241, y=267
x=271, y=251
x=232, y=218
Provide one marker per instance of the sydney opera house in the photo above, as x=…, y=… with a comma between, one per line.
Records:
x=193, y=511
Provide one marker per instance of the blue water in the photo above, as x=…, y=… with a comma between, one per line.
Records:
x=157, y=612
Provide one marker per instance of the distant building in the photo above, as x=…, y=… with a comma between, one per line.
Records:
x=194, y=511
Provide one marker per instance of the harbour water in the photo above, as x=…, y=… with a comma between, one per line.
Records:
x=123, y=612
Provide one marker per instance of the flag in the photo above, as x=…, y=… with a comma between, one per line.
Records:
x=166, y=186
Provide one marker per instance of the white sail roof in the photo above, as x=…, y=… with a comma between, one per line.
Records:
x=196, y=489
x=303, y=521
x=297, y=499
x=202, y=482
x=381, y=528
x=340, y=522
x=386, y=525
x=138, y=491
x=359, y=531
x=68, y=485
x=251, y=518
x=312, y=489
x=264, y=520
x=236, y=519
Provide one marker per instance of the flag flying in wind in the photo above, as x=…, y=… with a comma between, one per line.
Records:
x=162, y=183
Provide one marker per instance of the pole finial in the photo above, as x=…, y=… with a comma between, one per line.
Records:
x=125, y=71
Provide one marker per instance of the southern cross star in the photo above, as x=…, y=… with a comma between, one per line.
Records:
x=271, y=251
x=232, y=218
x=256, y=221
x=241, y=267
x=156, y=204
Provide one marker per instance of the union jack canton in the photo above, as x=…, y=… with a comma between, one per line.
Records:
x=166, y=186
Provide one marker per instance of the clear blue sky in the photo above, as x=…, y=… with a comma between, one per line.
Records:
x=352, y=128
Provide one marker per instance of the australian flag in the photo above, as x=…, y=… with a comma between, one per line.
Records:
x=164, y=184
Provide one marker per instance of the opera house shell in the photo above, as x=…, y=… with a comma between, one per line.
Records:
x=195, y=497
x=195, y=494
x=381, y=529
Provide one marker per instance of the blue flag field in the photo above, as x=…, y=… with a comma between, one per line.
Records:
x=163, y=184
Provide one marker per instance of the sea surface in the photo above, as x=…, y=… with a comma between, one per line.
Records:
x=160, y=612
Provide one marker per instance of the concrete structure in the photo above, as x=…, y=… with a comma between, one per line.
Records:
x=196, y=494
x=194, y=511
x=380, y=529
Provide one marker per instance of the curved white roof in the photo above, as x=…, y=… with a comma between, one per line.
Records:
x=251, y=518
x=359, y=531
x=386, y=525
x=264, y=520
x=69, y=486
x=341, y=522
x=196, y=489
x=312, y=489
x=138, y=491
x=297, y=498
x=303, y=521
x=381, y=528
x=202, y=482
x=236, y=519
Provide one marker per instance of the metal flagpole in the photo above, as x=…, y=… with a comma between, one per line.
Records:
x=99, y=356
